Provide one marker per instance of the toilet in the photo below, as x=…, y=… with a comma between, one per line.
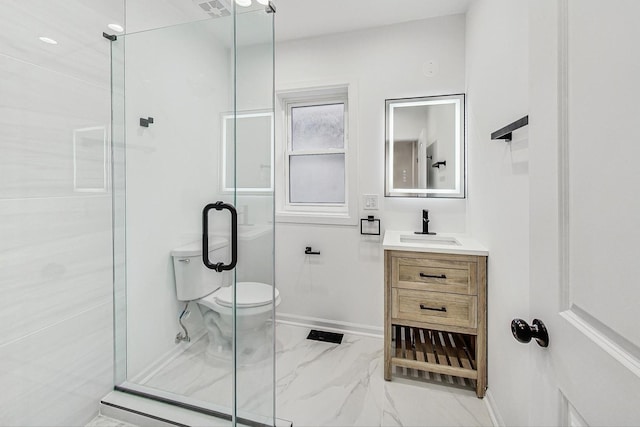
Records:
x=213, y=293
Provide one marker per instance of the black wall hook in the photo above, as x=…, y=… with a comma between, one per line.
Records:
x=438, y=164
x=146, y=122
x=309, y=251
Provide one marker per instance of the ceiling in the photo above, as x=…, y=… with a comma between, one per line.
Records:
x=308, y=18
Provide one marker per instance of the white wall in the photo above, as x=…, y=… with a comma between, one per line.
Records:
x=180, y=76
x=183, y=77
x=344, y=283
x=56, y=342
x=498, y=200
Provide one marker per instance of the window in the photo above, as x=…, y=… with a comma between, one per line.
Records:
x=316, y=152
x=317, y=158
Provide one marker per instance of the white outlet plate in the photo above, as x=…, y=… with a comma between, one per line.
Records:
x=370, y=201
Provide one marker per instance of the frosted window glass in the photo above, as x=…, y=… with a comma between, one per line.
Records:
x=317, y=127
x=317, y=178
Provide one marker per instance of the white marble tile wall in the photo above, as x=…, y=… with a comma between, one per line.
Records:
x=56, y=357
x=56, y=376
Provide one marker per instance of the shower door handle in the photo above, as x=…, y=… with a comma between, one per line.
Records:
x=219, y=266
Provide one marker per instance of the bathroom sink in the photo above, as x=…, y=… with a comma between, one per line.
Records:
x=444, y=243
x=429, y=239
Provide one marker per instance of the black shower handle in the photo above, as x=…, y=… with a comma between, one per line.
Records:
x=219, y=266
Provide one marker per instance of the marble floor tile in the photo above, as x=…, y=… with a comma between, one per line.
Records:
x=324, y=384
x=102, y=421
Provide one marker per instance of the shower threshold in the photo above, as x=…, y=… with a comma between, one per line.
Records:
x=133, y=400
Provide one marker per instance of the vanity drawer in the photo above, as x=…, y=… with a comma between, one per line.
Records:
x=434, y=274
x=434, y=307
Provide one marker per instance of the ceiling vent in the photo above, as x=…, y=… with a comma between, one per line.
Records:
x=214, y=8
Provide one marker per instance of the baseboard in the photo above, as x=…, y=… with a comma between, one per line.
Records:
x=494, y=413
x=330, y=325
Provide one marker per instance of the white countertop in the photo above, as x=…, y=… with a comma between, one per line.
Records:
x=444, y=243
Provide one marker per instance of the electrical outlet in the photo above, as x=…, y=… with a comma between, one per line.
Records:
x=370, y=201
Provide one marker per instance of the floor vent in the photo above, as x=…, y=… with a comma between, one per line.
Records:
x=325, y=336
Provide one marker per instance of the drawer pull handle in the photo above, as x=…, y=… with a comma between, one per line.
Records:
x=424, y=307
x=433, y=276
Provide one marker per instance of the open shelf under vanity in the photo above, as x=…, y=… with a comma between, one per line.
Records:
x=448, y=356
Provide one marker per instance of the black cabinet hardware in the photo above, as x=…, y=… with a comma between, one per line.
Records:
x=433, y=276
x=424, y=307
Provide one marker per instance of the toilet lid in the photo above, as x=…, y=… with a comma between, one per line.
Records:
x=248, y=294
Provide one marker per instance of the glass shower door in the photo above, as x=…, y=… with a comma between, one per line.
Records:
x=193, y=127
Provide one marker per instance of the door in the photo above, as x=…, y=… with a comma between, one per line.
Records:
x=585, y=86
x=192, y=107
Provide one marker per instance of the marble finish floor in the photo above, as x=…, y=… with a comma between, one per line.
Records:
x=324, y=384
x=102, y=421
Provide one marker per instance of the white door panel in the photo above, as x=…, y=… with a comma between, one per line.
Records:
x=585, y=210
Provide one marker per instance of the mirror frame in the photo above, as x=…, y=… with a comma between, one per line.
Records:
x=459, y=192
x=231, y=118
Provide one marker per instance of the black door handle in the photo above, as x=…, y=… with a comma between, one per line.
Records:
x=219, y=266
x=523, y=332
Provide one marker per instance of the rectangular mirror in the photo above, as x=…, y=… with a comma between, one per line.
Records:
x=253, y=138
x=425, y=147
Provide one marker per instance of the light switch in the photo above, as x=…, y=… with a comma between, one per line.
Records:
x=370, y=201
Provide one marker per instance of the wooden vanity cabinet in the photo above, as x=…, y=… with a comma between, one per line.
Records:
x=436, y=314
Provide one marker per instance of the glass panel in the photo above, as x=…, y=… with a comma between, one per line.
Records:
x=182, y=76
x=251, y=150
x=255, y=333
x=317, y=178
x=317, y=127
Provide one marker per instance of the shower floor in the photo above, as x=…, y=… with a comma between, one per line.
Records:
x=325, y=384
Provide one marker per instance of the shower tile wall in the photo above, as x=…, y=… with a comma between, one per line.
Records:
x=55, y=209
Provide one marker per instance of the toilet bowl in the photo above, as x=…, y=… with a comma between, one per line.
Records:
x=211, y=291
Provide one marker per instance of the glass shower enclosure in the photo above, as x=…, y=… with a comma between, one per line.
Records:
x=192, y=156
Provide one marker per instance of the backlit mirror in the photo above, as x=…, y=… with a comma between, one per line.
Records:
x=425, y=147
x=253, y=139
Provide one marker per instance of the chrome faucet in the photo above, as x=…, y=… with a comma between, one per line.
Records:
x=425, y=223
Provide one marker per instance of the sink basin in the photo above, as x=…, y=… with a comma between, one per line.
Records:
x=429, y=239
x=443, y=243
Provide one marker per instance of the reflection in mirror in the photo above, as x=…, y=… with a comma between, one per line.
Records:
x=425, y=147
x=253, y=139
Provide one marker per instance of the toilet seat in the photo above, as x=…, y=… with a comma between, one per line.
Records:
x=248, y=294
x=253, y=298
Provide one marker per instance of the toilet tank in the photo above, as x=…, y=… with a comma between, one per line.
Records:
x=193, y=279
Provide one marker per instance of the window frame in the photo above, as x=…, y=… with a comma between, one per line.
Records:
x=316, y=213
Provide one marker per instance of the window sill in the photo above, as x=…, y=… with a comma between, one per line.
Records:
x=316, y=218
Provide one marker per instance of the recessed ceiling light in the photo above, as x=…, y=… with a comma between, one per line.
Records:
x=48, y=40
x=243, y=3
x=263, y=2
x=116, y=27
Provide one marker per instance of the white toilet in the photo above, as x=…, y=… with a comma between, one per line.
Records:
x=214, y=295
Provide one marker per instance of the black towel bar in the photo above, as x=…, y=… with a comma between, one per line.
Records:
x=505, y=132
